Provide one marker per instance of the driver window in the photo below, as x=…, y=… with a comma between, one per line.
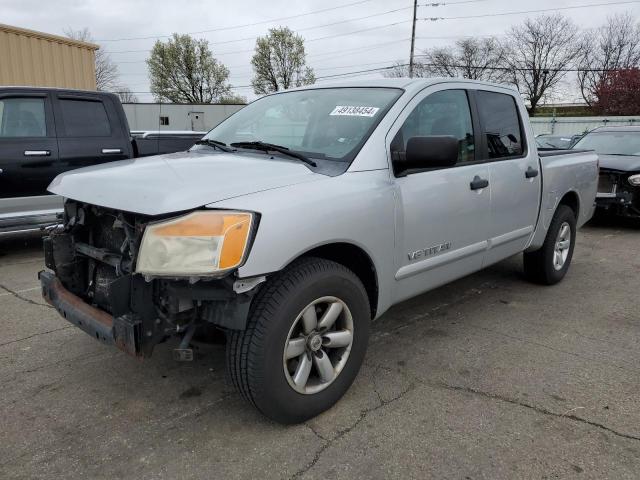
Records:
x=442, y=113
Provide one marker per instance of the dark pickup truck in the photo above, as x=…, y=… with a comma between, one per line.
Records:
x=47, y=131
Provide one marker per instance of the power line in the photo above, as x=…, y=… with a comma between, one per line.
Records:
x=306, y=40
x=342, y=52
x=541, y=10
x=232, y=27
x=443, y=4
x=518, y=69
x=297, y=30
x=401, y=65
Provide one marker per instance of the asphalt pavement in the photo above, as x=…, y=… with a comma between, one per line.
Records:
x=488, y=377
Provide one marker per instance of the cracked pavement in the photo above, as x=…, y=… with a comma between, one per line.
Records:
x=488, y=377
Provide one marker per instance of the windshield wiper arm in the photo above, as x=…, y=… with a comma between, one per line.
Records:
x=215, y=144
x=266, y=147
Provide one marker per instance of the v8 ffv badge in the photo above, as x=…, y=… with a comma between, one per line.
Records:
x=427, y=252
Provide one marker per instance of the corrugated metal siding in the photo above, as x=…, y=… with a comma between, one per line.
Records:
x=33, y=59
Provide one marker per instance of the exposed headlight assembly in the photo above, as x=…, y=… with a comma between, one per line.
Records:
x=202, y=243
x=635, y=180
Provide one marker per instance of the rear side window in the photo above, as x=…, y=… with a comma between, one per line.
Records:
x=22, y=117
x=501, y=123
x=85, y=118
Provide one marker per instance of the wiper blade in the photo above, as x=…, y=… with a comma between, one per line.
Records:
x=266, y=147
x=215, y=144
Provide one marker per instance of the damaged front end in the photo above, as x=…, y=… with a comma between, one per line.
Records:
x=94, y=284
x=619, y=193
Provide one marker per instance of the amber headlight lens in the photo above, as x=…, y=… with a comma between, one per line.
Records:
x=199, y=244
x=634, y=180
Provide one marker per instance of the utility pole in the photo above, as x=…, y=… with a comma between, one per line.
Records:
x=413, y=37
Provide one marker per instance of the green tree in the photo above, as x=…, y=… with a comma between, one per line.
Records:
x=279, y=62
x=183, y=70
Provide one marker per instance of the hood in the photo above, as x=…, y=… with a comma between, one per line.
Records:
x=624, y=163
x=178, y=181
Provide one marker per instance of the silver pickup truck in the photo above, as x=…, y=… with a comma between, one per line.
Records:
x=303, y=217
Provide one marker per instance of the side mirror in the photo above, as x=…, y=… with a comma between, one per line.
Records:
x=435, y=151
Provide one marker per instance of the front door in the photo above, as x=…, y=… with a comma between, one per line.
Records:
x=197, y=121
x=28, y=145
x=442, y=221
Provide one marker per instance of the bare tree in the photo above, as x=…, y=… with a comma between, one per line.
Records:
x=279, y=62
x=107, y=74
x=233, y=99
x=613, y=46
x=474, y=58
x=400, y=70
x=126, y=95
x=538, y=53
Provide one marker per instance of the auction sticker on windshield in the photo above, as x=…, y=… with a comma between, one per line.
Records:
x=351, y=110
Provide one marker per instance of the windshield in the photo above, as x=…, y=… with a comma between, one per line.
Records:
x=611, y=143
x=331, y=123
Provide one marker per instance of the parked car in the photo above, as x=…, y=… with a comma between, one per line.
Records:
x=46, y=131
x=619, y=184
x=306, y=215
x=555, y=142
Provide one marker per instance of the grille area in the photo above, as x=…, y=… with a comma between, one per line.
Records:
x=607, y=183
x=102, y=244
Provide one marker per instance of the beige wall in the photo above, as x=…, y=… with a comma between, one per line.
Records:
x=38, y=59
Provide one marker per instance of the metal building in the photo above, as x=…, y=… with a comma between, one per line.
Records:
x=173, y=116
x=39, y=59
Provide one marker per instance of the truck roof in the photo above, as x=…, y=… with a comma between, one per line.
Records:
x=402, y=82
x=52, y=89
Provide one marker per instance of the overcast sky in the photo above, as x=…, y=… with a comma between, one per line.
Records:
x=337, y=40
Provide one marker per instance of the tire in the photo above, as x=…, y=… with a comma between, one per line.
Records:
x=256, y=361
x=542, y=266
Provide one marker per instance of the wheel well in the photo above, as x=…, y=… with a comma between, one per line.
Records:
x=572, y=201
x=356, y=260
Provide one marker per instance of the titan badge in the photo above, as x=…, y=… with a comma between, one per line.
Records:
x=428, y=252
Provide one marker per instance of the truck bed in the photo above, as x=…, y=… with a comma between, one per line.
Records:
x=565, y=171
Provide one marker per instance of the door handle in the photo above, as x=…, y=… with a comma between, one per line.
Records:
x=37, y=153
x=477, y=183
x=111, y=150
x=531, y=172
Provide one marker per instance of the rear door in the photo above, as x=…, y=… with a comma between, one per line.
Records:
x=28, y=145
x=514, y=173
x=442, y=219
x=90, y=131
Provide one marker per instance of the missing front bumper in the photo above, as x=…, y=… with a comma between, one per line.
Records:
x=121, y=331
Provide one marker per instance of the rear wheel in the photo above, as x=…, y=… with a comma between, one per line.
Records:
x=304, y=343
x=550, y=263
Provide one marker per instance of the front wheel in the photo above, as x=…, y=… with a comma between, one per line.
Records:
x=304, y=343
x=549, y=264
